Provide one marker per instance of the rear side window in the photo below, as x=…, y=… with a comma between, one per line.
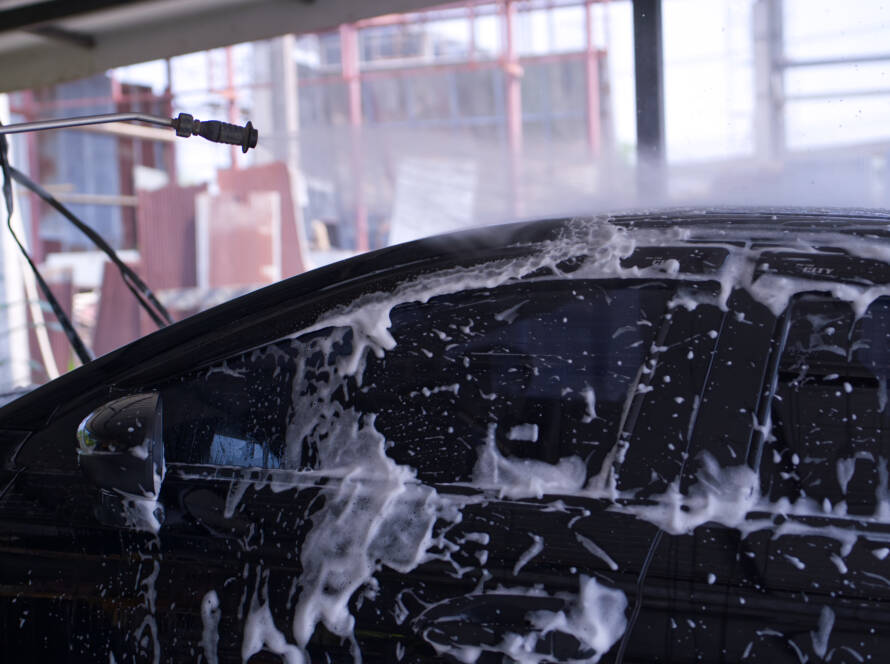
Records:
x=830, y=414
x=544, y=368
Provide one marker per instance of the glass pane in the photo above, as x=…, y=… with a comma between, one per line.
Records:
x=708, y=79
x=540, y=371
x=825, y=28
x=232, y=414
x=229, y=451
x=830, y=419
x=543, y=370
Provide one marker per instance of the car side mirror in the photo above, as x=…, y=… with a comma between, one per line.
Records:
x=120, y=449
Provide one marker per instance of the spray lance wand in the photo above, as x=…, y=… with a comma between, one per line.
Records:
x=184, y=124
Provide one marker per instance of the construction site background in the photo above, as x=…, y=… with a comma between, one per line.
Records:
x=404, y=126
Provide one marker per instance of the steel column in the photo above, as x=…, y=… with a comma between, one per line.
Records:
x=591, y=65
x=769, y=109
x=169, y=150
x=649, y=83
x=351, y=75
x=34, y=202
x=513, y=75
x=231, y=98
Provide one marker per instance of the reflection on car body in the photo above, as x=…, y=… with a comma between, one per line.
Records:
x=645, y=438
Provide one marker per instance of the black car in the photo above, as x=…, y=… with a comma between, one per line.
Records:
x=657, y=437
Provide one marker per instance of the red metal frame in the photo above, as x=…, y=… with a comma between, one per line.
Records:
x=232, y=98
x=513, y=76
x=352, y=73
x=508, y=60
x=419, y=70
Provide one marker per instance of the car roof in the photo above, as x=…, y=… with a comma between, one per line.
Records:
x=141, y=361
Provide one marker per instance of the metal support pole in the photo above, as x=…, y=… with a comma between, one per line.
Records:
x=184, y=124
x=64, y=123
x=291, y=112
x=649, y=80
x=591, y=66
x=14, y=347
x=513, y=74
x=169, y=150
x=471, y=19
x=350, y=70
x=231, y=99
x=35, y=205
x=769, y=113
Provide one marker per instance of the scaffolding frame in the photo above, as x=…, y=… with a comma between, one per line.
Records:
x=352, y=73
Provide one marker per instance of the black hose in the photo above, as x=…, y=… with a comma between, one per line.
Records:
x=140, y=290
x=73, y=338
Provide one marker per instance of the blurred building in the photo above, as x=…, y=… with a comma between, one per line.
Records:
x=92, y=170
x=402, y=109
x=408, y=125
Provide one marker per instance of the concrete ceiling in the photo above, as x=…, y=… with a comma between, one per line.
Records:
x=43, y=42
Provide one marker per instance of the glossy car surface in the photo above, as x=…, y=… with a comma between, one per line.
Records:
x=648, y=438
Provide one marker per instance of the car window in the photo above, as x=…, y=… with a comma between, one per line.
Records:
x=543, y=367
x=234, y=413
x=830, y=416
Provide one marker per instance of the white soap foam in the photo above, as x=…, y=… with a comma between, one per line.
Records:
x=261, y=633
x=377, y=514
x=525, y=478
x=210, y=615
x=536, y=547
x=593, y=548
x=820, y=637
x=527, y=432
x=595, y=617
x=590, y=401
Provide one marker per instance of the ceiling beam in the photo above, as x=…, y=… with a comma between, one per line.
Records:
x=62, y=35
x=40, y=13
x=207, y=25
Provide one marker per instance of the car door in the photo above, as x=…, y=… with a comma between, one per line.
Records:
x=75, y=585
x=364, y=503
x=455, y=471
x=775, y=536
x=823, y=474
